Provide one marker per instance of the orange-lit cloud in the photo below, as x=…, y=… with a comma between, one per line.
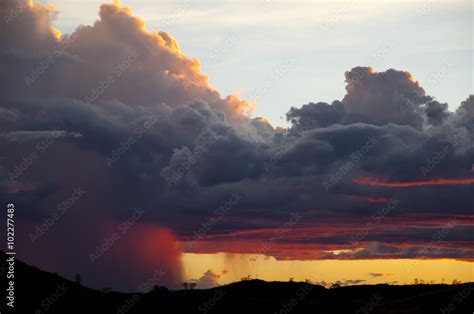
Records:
x=159, y=73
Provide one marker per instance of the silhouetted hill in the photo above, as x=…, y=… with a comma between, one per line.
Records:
x=38, y=292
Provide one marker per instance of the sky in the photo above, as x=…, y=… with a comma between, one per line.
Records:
x=227, y=268
x=329, y=142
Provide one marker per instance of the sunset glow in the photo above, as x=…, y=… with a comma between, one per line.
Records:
x=397, y=271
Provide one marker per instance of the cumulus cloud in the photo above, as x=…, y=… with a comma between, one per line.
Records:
x=114, y=59
x=313, y=115
x=119, y=111
x=436, y=112
x=209, y=279
x=383, y=97
x=466, y=110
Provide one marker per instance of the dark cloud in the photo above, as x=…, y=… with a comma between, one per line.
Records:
x=313, y=115
x=374, y=275
x=466, y=109
x=121, y=113
x=25, y=136
x=436, y=112
x=383, y=97
x=375, y=249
